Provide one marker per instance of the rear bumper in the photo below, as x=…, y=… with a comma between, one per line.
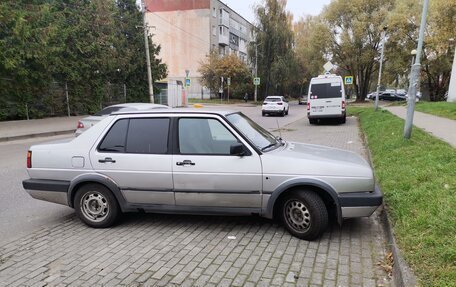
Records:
x=272, y=111
x=333, y=116
x=48, y=190
x=360, y=204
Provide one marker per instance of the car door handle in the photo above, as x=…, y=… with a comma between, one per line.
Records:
x=329, y=101
x=107, y=159
x=185, y=162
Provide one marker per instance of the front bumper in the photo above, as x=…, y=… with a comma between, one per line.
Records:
x=360, y=204
x=48, y=190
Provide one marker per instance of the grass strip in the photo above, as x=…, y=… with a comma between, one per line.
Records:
x=441, y=109
x=418, y=179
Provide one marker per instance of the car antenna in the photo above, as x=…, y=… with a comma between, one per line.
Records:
x=278, y=128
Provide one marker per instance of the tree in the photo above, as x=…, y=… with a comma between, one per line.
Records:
x=274, y=41
x=215, y=67
x=92, y=46
x=312, y=39
x=438, y=48
x=355, y=31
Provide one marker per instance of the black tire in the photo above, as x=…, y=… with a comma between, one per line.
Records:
x=96, y=206
x=263, y=114
x=312, y=121
x=283, y=113
x=343, y=120
x=288, y=110
x=304, y=214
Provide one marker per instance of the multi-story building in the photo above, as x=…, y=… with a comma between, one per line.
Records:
x=188, y=30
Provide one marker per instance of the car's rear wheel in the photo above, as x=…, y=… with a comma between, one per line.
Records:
x=312, y=121
x=96, y=206
x=304, y=214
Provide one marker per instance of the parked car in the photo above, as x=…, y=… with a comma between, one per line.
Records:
x=391, y=96
x=275, y=105
x=87, y=122
x=195, y=161
x=326, y=99
x=302, y=100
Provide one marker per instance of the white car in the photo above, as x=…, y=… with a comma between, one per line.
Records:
x=326, y=98
x=88, y=122
x=275, y=105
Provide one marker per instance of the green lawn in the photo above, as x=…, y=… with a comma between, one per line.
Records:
x=441, y=109
x=418, y=179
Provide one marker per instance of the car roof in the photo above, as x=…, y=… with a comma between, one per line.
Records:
x=221, y=112
x=137, y=105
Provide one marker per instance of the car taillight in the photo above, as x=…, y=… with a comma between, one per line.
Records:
x=343, y=104
x=29, y=159
x=80, y=125
x=308, y=106
x=280, y=104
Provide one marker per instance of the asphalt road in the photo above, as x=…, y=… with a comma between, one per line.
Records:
x=20, y=214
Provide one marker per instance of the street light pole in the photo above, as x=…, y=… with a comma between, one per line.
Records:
x=415, y=75
x=146, y=41
x=256, y=72
x=380, y=69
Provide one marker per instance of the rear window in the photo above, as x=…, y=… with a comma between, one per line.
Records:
x=325, y=91
x=107, y=111
x=273, y=99
x=146, y=136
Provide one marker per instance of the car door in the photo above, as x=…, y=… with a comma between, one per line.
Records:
x=135, y=154
x=206, y=174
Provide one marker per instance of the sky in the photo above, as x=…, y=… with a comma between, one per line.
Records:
x=299, y=8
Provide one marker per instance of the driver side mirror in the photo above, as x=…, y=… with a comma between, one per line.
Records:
x=237, y=149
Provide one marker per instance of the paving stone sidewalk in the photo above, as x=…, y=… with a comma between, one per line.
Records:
x=176, y=250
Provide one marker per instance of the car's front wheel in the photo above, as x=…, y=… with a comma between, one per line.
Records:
x=96, y=206
x=304, y=214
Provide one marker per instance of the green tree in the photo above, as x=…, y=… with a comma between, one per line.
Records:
x=312, y=39
x=438, y=48
x=355, y=31
x=274, y=39
x=215, y=67
x=93, y=46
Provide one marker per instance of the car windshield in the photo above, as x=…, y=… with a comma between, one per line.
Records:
x=260, y=137
x=268, y=99
x=107, y=111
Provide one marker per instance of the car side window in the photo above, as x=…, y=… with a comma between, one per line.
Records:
x=148, y=136
x=204, y=136
x=114, y=141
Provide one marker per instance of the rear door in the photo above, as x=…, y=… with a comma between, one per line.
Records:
x=135, y=154
x=326, y=98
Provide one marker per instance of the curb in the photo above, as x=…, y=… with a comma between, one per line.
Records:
x=403, y=275
x=45, y=134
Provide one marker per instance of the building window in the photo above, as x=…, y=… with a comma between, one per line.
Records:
x=221, y=30
x=214, y=31
x=214, y=12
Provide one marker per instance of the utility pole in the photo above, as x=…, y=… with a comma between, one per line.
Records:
x=146, y=43
x=125, y=92
x=380, y=69
x=256, y=72
x=67, y=98
x=415, y=75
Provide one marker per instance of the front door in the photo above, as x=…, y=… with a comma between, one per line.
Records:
x=206, y=174
x=134, y=153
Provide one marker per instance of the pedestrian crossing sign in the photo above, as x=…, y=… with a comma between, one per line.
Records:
x=349, y=80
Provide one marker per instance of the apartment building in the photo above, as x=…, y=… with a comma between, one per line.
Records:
x=188, y=30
